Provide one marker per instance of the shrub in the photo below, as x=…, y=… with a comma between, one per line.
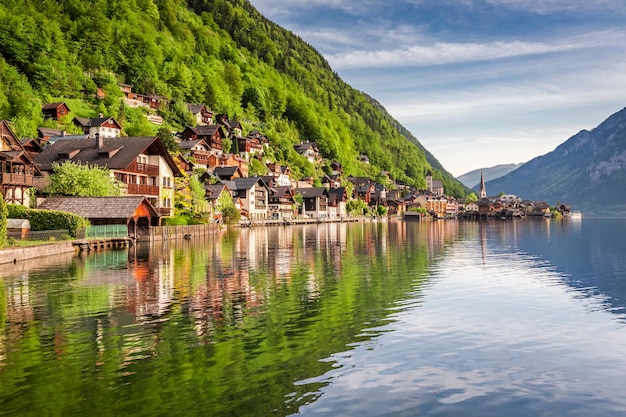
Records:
x=48, y=219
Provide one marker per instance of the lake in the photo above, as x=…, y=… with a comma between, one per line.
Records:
x=443, y=318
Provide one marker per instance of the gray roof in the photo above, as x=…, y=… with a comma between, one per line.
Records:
x=244, y=183
x=122, y=207
x=126, y=151
x=311, y=192
x=190, y=143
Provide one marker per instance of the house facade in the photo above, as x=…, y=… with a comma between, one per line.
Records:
x=141, y=164
x=18, y=171
x=213, y=135
x=202, y=115
x=106, y=127
x=314, y=202
x=281, y=203
x=55, y=111
x=253, y=195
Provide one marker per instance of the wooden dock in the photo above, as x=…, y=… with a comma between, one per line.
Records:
x=105, y=243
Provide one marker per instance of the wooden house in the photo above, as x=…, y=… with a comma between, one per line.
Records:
x=227, y=173
x=18, y=171
x=309, y=150
x=196, y=151
x=281, y=203
x=213, y=135
x=55, y=111
x=201, y=114
x=106, y=127
x=314, y=201
x=142, y=164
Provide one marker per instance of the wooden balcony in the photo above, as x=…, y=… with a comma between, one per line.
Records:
x=16, y=179
x=152, y=170
x=165, y=211
x=143, y=189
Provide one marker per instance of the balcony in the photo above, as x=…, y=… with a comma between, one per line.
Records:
x=151, y=170
x=143, y=189
x=165, y=211
x=16, y=179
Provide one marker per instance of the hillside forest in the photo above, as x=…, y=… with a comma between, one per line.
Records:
x=222, y=53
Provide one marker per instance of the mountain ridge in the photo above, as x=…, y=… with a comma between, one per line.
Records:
x=588, y=170
x=471, y=179
x=222, y=53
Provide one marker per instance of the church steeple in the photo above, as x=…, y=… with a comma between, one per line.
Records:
x=483, y=190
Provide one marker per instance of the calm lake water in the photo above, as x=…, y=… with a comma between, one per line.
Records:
x=512, y=318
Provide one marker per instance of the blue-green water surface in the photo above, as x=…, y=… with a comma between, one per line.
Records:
x=446, y=318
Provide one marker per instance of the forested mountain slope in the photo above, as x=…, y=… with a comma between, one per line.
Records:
x=222, y=53
x=587, y=171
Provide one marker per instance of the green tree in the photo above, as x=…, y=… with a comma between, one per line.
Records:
x=257, y=168
x=168, y=140
x=75, y=179
x=471, y=198
x=226, y=206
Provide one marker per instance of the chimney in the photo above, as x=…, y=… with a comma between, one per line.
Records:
x=99, y=141
x=100, y=115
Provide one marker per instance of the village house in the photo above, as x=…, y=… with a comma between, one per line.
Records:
x=213, y=135
x=141, y=164
x=253, y=196
x=331, y=181
x=364, y=190
x=229, y=160
x=337, y=199
x=310, y=150
x=233, y=128
x=281, y=174
x=32, y=146
x=201, y=114
x=196, y=151
x=314, y=202
x=55, y=111
x=436, y=205
x=212, y=194
x=18, y=171
x=281, y=203
x=106, y=127
x=227, y=173
x=336, y=168
x=153, y=101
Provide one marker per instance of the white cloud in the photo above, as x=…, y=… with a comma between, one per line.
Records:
x=554, y=6
x=450, y=53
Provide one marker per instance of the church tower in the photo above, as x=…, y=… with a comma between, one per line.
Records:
x=429, y=181
x=483, y=191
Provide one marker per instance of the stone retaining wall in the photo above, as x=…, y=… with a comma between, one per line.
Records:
x=13, y=255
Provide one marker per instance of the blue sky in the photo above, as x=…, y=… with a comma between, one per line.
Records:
x=478, y=82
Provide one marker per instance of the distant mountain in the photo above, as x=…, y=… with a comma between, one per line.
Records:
x=472, y=179
x=587, y=171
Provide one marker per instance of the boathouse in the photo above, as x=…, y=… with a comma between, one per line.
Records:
x=136, y=212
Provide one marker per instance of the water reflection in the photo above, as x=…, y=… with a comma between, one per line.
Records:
x=255, y=321
x=240, y=316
